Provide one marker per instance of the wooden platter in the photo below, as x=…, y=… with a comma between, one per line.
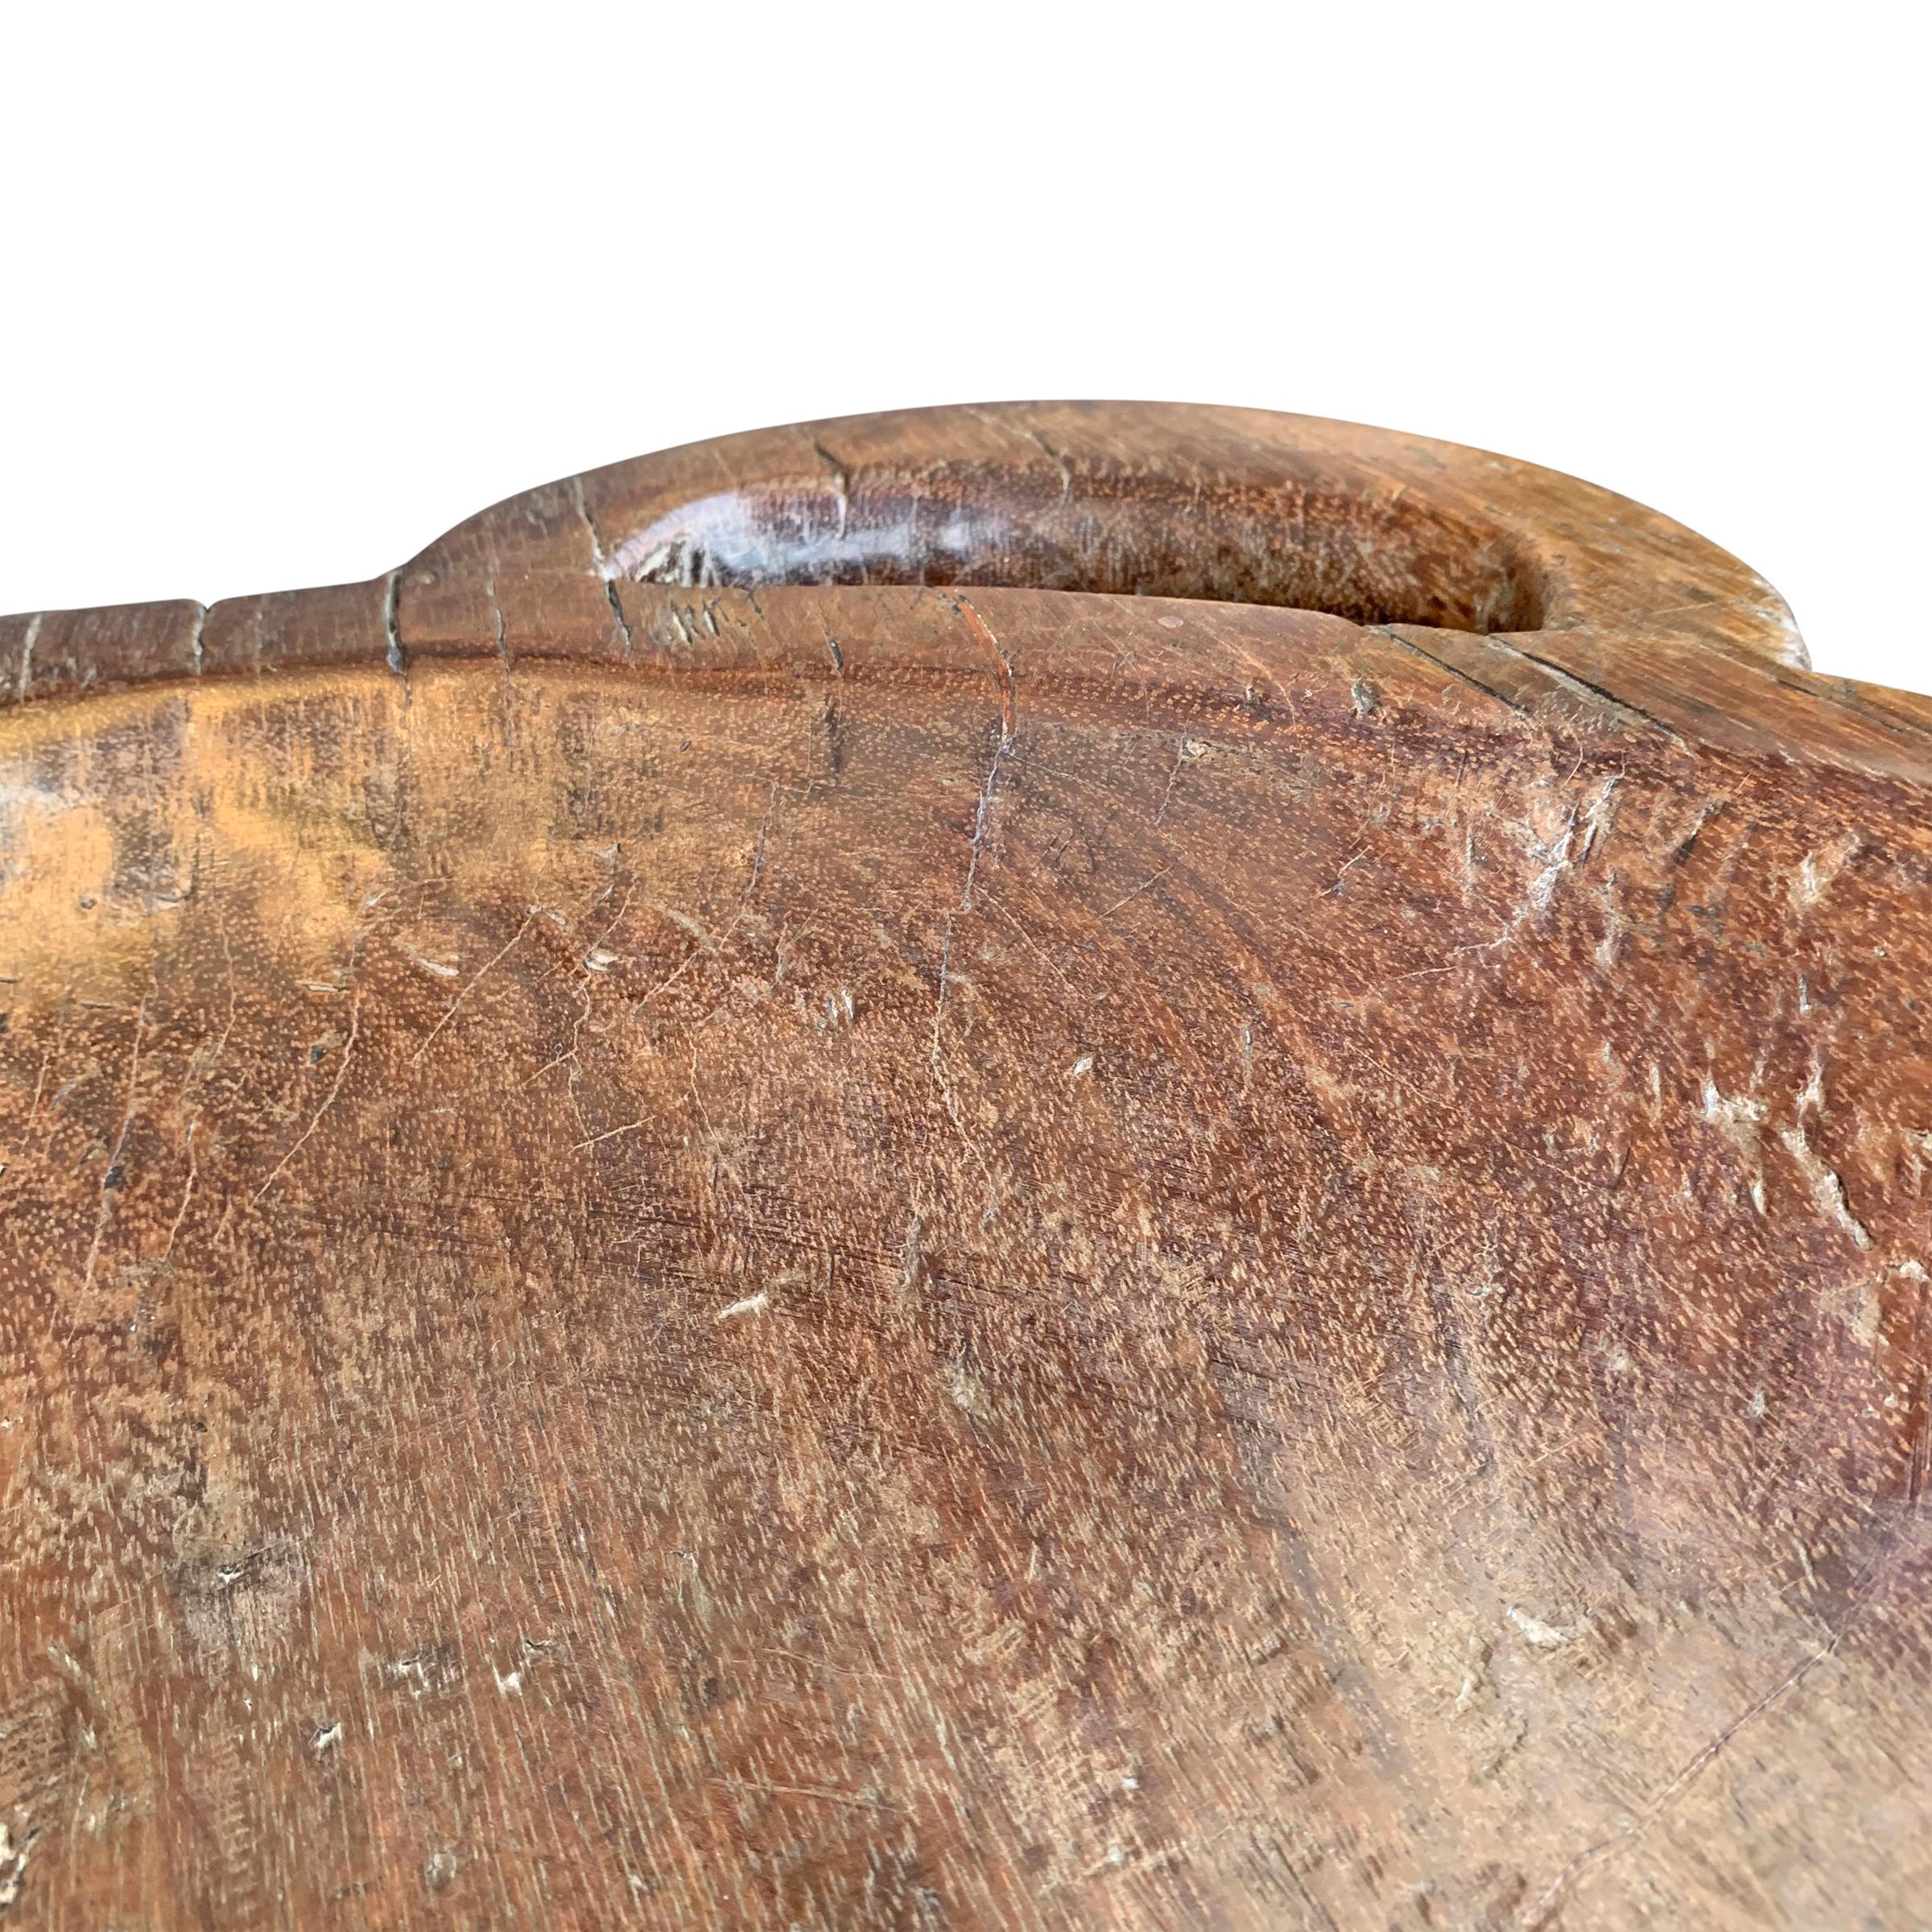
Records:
x=1069, y=1164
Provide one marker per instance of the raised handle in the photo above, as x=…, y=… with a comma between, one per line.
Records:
x=1242, y=507
x=1165, y=500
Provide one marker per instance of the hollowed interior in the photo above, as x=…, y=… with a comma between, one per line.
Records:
x=1372, y=556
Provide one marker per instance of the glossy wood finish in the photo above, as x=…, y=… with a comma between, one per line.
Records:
x=750, y=1202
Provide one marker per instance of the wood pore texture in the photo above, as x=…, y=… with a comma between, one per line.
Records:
x=1061, y=1165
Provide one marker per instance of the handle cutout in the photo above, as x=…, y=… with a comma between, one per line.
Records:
x=1372, y=556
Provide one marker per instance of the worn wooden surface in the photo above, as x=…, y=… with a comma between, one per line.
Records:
x=749, y=1203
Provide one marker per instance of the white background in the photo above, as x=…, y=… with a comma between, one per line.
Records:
x=285, y=291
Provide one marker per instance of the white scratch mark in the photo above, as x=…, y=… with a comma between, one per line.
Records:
x=1739, y=1119
x=1828, y=1189
x=449, y=1012
x=1816, y=869
x=13, y=1857
x=1545, y=1636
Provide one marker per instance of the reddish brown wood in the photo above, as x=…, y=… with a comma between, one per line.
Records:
x=1069, y=1164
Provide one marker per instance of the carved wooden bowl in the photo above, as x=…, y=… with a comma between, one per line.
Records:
x=1062, y=1166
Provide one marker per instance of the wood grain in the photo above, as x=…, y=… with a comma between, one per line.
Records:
x=1056, y=1166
